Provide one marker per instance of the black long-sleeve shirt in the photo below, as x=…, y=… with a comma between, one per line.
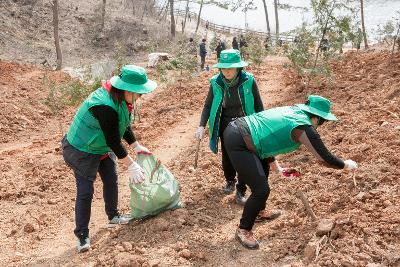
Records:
x=231, y=105
x=108, y=120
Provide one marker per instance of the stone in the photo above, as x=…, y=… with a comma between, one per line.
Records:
x=325, y=226
x=361, y=196
x=127, y=246
x=310, y=250
x=154, y=263
x=29, y=228
x=185, y=253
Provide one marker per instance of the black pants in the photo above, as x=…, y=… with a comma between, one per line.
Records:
x=229, y=170
x=85, y=167
x=202, y=61
x=252, y=171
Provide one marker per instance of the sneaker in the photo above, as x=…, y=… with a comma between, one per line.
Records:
x=120, y=219
x=240, y=198
x=229, y=187
x=83, y=244
x=246, y=238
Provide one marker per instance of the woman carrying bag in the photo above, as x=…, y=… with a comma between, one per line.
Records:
x=93, y=143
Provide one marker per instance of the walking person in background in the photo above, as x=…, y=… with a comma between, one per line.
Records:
x=235, y=44
x=219, y=48
x=93, y=143
x=242, y=46
x=233, y=94
x=203, y=53
x=256, y=139
x=192, y=49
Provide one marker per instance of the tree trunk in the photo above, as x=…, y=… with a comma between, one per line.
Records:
x=144, y=11
x=276, y=20
x=171, y=5
x=198, y=17
x=103, y=14
x=186, y=13
x=267, y=19
x=363, y=24
x=56, y=37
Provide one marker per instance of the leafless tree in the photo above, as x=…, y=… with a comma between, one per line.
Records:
x=103, y=14
x=276, y=20
x=198, y=17
x=266, y=18
x=186, y=14
x=56, y=36
x=171, y=5
x=363, y=24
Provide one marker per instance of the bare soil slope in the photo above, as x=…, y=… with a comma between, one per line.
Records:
x=37, y=196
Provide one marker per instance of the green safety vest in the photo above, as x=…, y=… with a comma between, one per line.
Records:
x=246, y=98
x=271, y=130
x=85, y=133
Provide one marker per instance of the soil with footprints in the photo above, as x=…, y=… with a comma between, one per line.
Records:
x=358, y=222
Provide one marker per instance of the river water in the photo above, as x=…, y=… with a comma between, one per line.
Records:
x=377, y=12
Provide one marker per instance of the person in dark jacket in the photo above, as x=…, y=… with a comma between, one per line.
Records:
x=219, y=48
x=203, y=53
x=93, y=143
x=254, y=140
x=233, y=93
x=235, y=44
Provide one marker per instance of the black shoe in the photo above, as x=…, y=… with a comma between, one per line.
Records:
x=240, y=198
x=229, y=187
x=83, y=244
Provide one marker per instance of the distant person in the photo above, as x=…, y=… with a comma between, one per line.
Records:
x=233, y=93
x=219, y=48
x=192, y=47
x=203, y=53
x=324, y=45
x=93, y=144
x=253, y=140
x=235, y=44
x=207, y=24
x=189, y=17
x=242, y=46
x=267, y=42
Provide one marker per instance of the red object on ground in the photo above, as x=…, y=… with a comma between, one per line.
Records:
x=291, y=173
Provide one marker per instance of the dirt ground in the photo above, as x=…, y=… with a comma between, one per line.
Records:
x=38, y=192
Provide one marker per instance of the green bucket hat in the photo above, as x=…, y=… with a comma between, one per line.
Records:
x=230, y=58
x=319, y=106
x=133, y=79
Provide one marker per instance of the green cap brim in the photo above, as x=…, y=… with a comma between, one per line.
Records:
x=145, y=88
x=240, y=64
x=327, y=116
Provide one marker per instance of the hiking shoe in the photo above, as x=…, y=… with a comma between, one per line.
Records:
x=263, y=215
x=120, y=219
x=240, y=198
x=229, y=187
x=83, y=244
x=246, y=238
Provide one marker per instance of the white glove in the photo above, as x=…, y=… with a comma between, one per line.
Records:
x=199, y=132
x=350, y=165
x=135, y=173
x=139, y=149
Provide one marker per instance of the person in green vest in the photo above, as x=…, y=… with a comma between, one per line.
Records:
x=93, y=144
x=251, y=140
x=233, y=93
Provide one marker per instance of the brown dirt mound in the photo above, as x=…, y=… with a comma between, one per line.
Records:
x=38, y=196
